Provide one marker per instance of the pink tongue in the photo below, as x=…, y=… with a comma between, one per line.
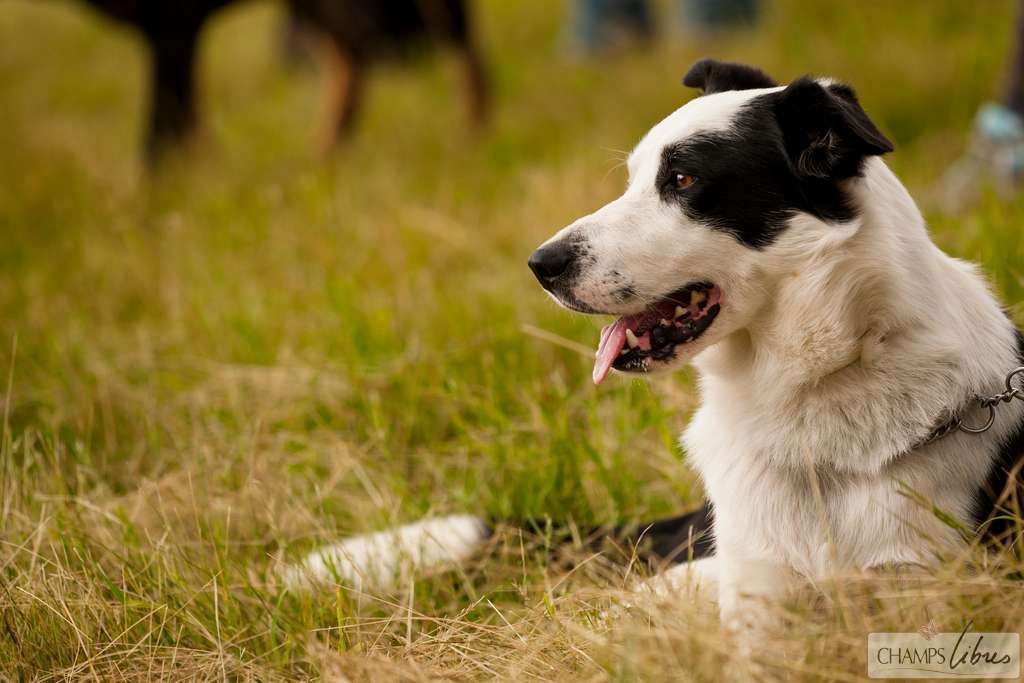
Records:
x=613, y=338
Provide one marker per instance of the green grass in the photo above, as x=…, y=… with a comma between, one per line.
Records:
x=263, y=349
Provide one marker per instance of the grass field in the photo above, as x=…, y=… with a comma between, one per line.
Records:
x=262, y=349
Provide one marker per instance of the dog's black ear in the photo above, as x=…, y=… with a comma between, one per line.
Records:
x=713, y=76
x=826, y=132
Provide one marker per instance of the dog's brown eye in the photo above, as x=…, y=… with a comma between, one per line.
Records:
x=684, y=181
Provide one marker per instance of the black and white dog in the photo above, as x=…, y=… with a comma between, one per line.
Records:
x=762, y=239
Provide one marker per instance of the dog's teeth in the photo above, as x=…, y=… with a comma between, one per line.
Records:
x=680, y=311
x=631, y=339
x=665, y=322
x=697, y=297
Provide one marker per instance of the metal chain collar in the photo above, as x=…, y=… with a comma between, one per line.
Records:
x=990, y=402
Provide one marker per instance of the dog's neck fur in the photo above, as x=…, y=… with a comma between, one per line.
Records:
x=871, y=345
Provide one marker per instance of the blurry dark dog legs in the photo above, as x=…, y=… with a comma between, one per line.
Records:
x=345, y=92
x=172, y=113
x=477, y=88
x=298, y=39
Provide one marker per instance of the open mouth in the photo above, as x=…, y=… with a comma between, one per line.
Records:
x=632, y=343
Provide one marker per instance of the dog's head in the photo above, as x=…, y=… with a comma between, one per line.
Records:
x=681, y=256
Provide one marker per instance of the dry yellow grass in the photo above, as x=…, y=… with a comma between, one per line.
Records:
x=261, y=350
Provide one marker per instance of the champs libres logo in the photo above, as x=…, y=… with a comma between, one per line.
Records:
x=967, y=654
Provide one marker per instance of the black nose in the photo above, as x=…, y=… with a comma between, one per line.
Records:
x=551, y=260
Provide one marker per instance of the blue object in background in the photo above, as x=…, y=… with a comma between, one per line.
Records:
x=603, y=25
x=715, y=15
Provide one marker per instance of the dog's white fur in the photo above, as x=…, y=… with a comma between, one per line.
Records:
x=837, y=349
x=377, y=560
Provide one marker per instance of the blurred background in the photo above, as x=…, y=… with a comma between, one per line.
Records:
x=285, y=298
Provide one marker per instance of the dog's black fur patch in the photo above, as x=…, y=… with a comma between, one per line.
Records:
x=676, y=540
x=826, y=132
x=785, y=152
x=689, y=536
x=679, y=539
x=711, y=76
x=995, y=503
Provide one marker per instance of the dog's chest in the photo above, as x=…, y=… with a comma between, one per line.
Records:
x=812, y=518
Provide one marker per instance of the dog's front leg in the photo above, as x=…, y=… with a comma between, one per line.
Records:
x=748, y=591
x=697, y=579
x=745, y=591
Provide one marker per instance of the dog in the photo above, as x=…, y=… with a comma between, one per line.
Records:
x=356, y=34
x=841, y=355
